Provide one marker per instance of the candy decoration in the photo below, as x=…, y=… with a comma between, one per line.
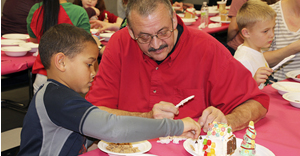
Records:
x=208, y=142
x=248, y=143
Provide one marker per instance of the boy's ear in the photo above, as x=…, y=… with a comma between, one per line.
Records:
x=245, y=32
x=59, y=61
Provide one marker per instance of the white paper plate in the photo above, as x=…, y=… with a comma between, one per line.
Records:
x=16, y=36
x=218, y=19
x=260, y=150
x=9, y=42
x=285, y=87
x=144, y=146
x=293, y=74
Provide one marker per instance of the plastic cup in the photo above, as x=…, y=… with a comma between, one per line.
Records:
x=221, y=5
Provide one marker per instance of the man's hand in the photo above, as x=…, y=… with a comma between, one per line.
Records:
x=209, y=115
x=164, y=110
x=262, y=74
x=191, y=129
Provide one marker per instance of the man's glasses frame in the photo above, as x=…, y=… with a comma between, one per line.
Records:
x=161, y=34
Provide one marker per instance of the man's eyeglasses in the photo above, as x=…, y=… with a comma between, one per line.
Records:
x=162, y=34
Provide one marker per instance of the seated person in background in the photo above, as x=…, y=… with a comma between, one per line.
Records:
x=156, y=61
x=98, y=14
x=287, y=38
x=14, y=15
x=256, y=22
x=60, y=11
x=234, y=38
x=181, y=5
x=59, y=118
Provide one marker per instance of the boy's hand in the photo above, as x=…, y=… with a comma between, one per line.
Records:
x=209, y=115
x=191, y=129
x=262, y=74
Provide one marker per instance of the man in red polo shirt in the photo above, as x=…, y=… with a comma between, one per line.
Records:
x=157, y=61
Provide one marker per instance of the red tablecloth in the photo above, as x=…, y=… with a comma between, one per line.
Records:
x=15, y=64
x=196, y=24
x=279, y=131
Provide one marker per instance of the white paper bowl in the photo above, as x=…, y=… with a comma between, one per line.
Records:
x=293, y=74
x=188, y=21
x=9, y=42
x=106, y=36
x=16, y=36
x=33, y=46
x=213, y=12
x=15, y=51
x=285, y=87
x=293, y=98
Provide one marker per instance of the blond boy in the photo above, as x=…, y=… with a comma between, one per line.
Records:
x=256, y=22
x=58, y=118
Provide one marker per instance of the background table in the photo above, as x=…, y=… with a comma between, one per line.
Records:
x=16, y=64
x=196, y=24
x=279, y=131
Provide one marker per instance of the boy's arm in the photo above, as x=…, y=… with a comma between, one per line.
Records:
x=105, y=126
x=274, y=57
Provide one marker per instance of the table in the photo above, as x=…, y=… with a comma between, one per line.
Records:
x=278, y=131
x=196, y=24
x=16, y=64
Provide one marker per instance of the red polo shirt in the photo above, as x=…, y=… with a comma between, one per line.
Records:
x=200, y=65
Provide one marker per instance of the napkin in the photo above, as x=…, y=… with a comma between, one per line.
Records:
x=214, y=25
x=36, y=53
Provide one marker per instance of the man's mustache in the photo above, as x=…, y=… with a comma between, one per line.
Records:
x=151, y=49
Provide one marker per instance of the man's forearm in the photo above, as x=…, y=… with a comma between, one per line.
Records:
x=250, y=110
x=126, y=113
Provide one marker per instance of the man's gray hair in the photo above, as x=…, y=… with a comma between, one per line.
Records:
x=146, y=7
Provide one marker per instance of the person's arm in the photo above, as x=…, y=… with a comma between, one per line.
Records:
x=250, y=110
x=233, y=29
x=274, y=57
x=108, y=127
x=159, y=111
x=102, y=26
x=238, y=119
x=34, y=40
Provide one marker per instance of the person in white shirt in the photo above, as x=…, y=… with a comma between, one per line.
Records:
x=287, y=38
x=256, y=22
